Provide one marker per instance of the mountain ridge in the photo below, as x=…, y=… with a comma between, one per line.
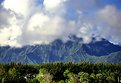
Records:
x=74, y=51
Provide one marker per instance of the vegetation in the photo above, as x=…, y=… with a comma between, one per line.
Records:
x=82, y=72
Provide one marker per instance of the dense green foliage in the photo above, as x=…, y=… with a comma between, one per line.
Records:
x=60, y=73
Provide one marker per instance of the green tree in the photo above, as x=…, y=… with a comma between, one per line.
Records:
x=111, y=78
x=12, y=72
x=99, y=77
x=2, y=74
x=93, y=78
x=84, y=77
x=44, y=76
x=12, y=76
x=72, y=78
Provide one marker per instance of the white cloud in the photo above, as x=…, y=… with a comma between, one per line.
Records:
x=36, y=23
x=9, y=36
x=18, y=6
x=4, y=16
x=23, y=22
x=44, y=28
x=52, y=4
x=9, y=28
x=110, y=16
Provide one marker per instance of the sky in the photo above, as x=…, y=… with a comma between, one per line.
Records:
x=31, y=22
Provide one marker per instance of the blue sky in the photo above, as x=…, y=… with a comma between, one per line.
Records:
x=117, y=3
x=1, y=1
x=91, y=10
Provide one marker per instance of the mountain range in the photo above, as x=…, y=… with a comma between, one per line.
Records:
x=73, y=50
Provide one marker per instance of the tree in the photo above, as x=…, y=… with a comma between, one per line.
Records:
x=84, y=77
x=44, y=76
x=93, y=78
x=12, y=72
x=111, y=78
x=2, y=74
x=99, y=77
x=72, y=78
x=11, y=77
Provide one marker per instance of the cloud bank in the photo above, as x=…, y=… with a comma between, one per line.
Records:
x=28, y=22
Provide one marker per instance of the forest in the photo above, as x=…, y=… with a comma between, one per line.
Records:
x=58, y=72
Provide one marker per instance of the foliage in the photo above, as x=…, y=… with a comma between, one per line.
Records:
x=60, y=73
x=44, y=76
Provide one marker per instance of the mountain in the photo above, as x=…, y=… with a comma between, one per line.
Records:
x=73, y=50
x=101, y=48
